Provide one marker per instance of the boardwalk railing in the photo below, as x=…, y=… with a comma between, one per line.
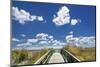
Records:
x=44, y=58
x=69, y=57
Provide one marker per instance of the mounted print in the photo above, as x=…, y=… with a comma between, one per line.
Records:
x=52, y=33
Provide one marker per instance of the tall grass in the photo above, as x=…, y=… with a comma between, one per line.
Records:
x=25, y=57
x=19, y=55
x=84, y=54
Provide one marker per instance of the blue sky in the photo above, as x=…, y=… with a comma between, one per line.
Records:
x=81, y=23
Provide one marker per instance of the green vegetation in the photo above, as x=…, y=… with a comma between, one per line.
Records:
x=24, y=57
x=19, y=55
x=84, y=54
x=40, y=54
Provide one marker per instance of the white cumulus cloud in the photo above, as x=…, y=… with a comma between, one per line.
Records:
x=63, y=17
x=32, y=40
x=51, y=38
x=42, y=36
x=41, y=40
x=24, y=44
x=43, y=43
x=81, y=41
x=71, y=32
x=15, y=39
x=23, y=16
x=69, y=37
x=29, y=42
x=40, y=18
x=74, y=21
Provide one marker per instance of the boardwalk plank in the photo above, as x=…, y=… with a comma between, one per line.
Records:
x=56, y=58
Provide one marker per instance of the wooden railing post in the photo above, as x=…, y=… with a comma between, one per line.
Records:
x=68, y=57
x=44, y=58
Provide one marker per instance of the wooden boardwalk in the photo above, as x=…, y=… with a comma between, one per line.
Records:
x=56, y=58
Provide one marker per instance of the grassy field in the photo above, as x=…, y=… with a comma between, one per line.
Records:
x=84, y=54
x=25, y=57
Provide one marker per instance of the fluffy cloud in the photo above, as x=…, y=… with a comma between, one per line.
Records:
x=41, y=40
x=69, y=37
x=87, y=41
x=15, y=39
x=43, y=43
x=71, y=32
x=51, y=38
x=58, y=43
x=20, y=15
x=63, y=17
x=23, y=16
x=32, y=40
x=55, y=42
x=40, y=18
x=42, y=36
x=74, y=21
x=81, y=41
x=33, y=18
x=29, y=42
x=24, y=44
x=45, y=39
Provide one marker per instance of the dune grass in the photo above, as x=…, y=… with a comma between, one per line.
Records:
x=25, y=57
x=84, y=54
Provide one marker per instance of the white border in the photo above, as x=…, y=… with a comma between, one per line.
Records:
x=83, y=2
x=4, y=33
